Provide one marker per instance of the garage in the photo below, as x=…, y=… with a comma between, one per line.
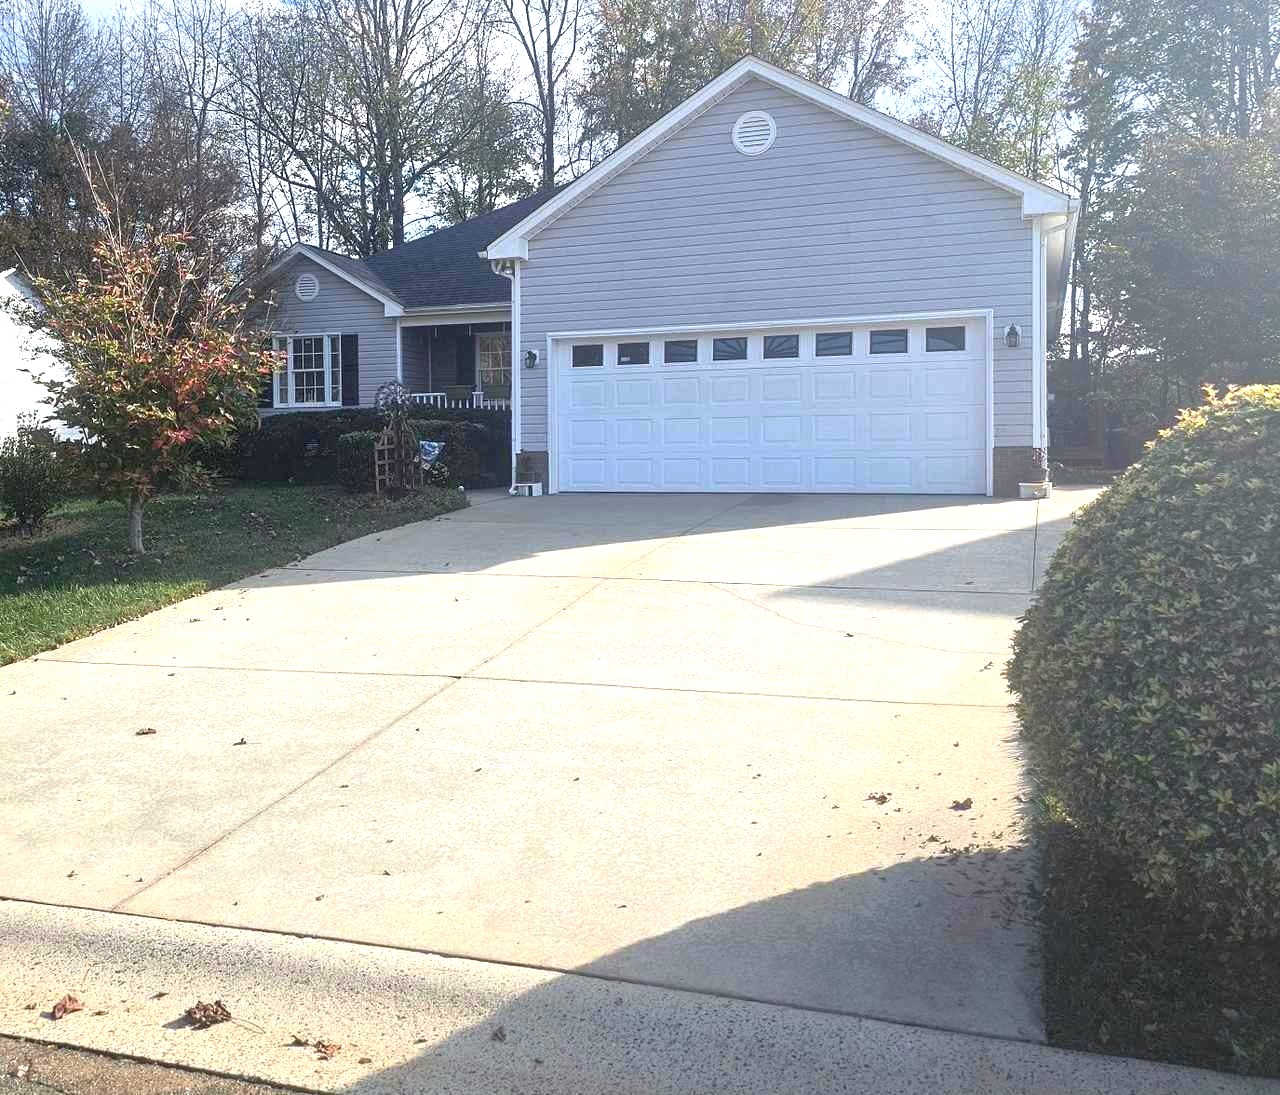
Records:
x=894, y=405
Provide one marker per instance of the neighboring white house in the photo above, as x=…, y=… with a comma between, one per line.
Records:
x=23, y=357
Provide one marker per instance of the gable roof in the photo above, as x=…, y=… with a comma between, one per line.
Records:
x=439, y=270
x=444, y=268
x=1036, y=197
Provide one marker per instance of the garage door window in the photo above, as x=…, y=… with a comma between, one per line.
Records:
x=834, y=344
x=680, y=351
x=781, y=346
x=729, y=349
x=889, y=342
x=589, y=355
x=633, y=353
x=943, y=339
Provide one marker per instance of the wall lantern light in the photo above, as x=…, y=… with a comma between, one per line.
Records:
x=1013, y=336
x=531, y=359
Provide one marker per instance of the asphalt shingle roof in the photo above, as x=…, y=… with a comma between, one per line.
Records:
x=443, y=268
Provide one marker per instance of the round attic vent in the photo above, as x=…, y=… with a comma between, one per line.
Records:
x=306, y=287
x=754, y=133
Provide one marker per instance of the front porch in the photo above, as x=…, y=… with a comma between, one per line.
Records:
x=458, y=366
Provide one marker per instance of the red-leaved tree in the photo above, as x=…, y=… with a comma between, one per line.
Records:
x=158, y=356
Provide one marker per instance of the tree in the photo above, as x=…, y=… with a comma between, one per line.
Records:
x=997, y=70
x=547, y=32
x=1191, y=264
x=644, y=57
x=157, y=356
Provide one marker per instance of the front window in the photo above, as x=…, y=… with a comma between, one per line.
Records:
x=493, y=359
x=309, y=370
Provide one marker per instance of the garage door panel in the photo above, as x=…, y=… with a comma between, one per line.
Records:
x=913, y=424
x=730, y=431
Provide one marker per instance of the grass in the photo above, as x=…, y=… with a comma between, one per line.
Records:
x=75, y=577
x=1125, y=976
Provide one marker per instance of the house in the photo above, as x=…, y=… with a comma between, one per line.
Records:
x=770, y=289
x=24, y=359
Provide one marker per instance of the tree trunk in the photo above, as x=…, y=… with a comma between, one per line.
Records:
x=136, y=501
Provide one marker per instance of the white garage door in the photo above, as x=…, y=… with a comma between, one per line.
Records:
x=888, y=407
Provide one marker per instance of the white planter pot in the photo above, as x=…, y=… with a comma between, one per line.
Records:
x=1035, y=490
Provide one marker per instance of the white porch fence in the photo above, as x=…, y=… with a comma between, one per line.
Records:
x=473, y=401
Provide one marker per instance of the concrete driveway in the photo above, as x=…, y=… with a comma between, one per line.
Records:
x=751, y=746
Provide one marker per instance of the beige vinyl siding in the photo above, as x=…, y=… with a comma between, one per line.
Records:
x=834, y=220
x=339, y=308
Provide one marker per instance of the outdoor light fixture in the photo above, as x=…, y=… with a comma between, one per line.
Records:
x=531, y=359
x=1013, y=336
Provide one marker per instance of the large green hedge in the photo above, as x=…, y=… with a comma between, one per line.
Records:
x=302, y=446
x=1148, y=669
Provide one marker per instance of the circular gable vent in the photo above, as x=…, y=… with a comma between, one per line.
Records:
x=306, y=287
x=754, y=132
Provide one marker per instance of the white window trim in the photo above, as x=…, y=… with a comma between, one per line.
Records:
x=332, y=370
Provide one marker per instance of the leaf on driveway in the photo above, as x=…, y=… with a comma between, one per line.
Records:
x=144, y=732
x=880, y=797
x=66, y=1006
x=202, y=1016
x=962, y=804
x=326, y=1051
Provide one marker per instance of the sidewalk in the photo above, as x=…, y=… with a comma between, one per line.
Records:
x=423, y=1023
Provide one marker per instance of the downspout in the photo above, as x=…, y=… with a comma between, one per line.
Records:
x=510, y=269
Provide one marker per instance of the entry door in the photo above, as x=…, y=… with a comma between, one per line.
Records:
x=883, y=408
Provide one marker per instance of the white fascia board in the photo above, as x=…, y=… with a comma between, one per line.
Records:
x=496, y=312
x=390, y=307
x=1037, y=198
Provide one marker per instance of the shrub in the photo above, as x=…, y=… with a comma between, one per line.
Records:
x=33, y=478
x=1148, y=669
x=302, y=446
x=463, y=445
x=355, y=460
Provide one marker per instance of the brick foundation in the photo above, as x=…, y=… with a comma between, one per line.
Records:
x=532, y=467
x=1014, y=464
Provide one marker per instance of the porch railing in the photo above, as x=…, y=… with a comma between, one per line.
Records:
x=473, y=401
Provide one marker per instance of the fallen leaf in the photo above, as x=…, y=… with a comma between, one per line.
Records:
x=365, y=1061
x=144, y=732
x=202, y=1016
x=499, y=1034
x=158, y=995
x=100, y=1013
x=326, y=1051
x=880, y=797
x=240, y=742
x=66, y=1006
x=31, y=1007
x=962, y=804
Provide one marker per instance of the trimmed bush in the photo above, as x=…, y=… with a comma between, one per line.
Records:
x=1148, y=669
x=463, y=444
x=302, y=446
x=33, y=475
x=355, y=461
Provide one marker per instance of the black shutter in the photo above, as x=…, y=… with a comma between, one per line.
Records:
x=351, y=370
x=267, y=390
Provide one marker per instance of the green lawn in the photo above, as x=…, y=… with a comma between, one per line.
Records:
x=75, y=577
x=1123, y=976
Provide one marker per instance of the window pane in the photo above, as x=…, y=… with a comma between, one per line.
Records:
x=335, y=368
x=308, y=369
x=834, y=344
x=944, y=338
x=781, y=346
x=680, y=351
x=633, y=353
x=729, y=349
x=889, y=342
x=585, y=357
x=493, y=358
